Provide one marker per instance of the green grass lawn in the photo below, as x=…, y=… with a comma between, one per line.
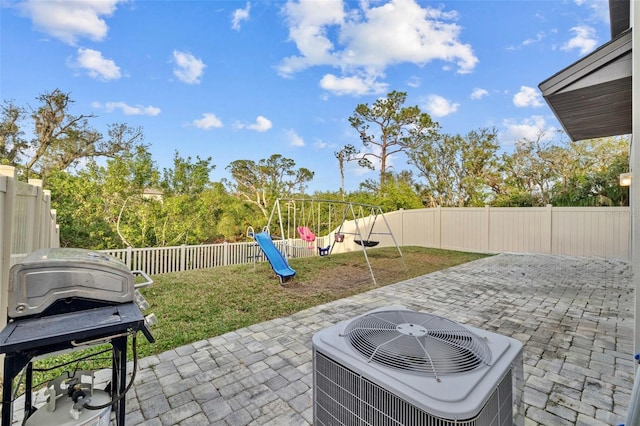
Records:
x=200, y=304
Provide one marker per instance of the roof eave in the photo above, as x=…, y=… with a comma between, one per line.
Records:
x=592, y=97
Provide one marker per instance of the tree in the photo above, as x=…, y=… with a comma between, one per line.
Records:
x=348, y=151
x=187, y=177
x=128, y=210
x=60, y=139
x=12, y=141
x=529, y=173
x=573, y=173
x=123, y=207
x=459, y=170
x=396, y=129
x=260, y=184
x=593, y=177
x=187, y=214
x=77, y=199
x=399, y=192
x=229, y=216
x=105, y=206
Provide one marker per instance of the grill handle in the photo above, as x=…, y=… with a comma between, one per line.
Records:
x=142, y=274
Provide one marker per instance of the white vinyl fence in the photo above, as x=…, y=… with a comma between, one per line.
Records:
x=574, y=231
x=27, y=224
x=27, y=221
x=160, y=260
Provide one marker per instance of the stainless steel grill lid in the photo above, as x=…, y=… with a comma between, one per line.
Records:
x=49, y=275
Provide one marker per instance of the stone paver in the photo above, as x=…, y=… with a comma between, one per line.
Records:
x=574, y=316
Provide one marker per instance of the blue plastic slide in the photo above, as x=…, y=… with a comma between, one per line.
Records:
x=278, y=262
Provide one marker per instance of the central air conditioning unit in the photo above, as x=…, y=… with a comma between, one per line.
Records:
x=394, y=366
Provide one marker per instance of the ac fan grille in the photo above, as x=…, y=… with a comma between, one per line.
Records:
x=418, y=342
x=343, y=397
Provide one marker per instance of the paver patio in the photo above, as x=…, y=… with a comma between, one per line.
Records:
x=574, y=316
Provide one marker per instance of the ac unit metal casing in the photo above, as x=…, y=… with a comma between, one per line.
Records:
x=351, y=388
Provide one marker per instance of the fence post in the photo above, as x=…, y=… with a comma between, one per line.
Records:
x=225, y=255
x=183, y=257
x=401, y=213
x=487, y=221
x=549, y=228
x=129, y=257
x=37, y=215
x=54, y=230
x=438, y=227
x=8, y=183
x=45, y=217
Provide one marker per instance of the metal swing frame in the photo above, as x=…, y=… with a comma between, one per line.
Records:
x=349, y=211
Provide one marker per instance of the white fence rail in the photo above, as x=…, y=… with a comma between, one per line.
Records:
x=161, y=260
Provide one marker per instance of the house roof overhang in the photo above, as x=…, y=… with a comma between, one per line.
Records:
x=619, y=16
x=592, y=97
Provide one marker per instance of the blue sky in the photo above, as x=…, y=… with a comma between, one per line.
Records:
x=247, y=79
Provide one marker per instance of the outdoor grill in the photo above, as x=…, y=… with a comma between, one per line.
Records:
x=62, y=299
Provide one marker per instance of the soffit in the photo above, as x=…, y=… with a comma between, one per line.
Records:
x=592, y=97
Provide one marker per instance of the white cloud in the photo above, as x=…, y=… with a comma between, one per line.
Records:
x=437, y=106
x=208, y=121
x=294, y=138
x=320, y=144
x=188, y=68
x=70, y=20
x=240, y=15
x=599, y=9
x=262, y=124
x=414, y=82
x=351, y=85
x=402, y=31
x=527, y=129
x=538, y=38
x=97, y=66
x=309, y=22
x=128, y=109
x=584, y=40
x=364, y=42
x=478, y=93
x=527, y=97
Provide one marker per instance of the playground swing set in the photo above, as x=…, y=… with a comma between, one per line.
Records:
x=360, y=217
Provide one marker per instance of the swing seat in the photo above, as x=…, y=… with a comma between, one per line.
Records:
x=306, y=234
x=367, y=243
x=339, y=237
x=324, y=251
